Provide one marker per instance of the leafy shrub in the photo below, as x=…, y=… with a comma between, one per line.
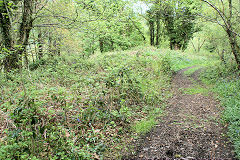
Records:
x=81, y=108
x=36, y=64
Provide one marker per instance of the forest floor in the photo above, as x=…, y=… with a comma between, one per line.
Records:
x=190, y=128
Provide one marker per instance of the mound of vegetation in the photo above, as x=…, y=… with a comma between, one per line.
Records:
x=76, y=108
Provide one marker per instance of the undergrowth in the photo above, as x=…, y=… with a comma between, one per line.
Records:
x=226, y=83
x=72, y=107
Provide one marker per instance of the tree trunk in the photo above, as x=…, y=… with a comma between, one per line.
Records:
x=235, y=48
x=59, y=47
x=232, y=36
x=112, y=45
x=158, y=29
x=26, y=26
x=11, y=59
x=40, y=45
x=151, y=28
x=13, y=55
x=50, y=46
x=171, y=44
x=101, y=45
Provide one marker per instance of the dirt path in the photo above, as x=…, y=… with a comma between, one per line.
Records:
x=189, y=130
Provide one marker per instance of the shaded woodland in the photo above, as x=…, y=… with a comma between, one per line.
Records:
x=82, y=79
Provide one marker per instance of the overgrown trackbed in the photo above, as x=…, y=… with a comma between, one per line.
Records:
x=189, y=130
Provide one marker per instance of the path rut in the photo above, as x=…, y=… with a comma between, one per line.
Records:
x=190, y=129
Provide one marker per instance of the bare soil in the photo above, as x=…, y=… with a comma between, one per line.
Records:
x=190, y=129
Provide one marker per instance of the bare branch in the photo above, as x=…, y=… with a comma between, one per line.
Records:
x=221, y=14
x=211, y=20
x=227, y=25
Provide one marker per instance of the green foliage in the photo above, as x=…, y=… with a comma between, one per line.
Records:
x=180, y=28
x=145, y=126
x=178, y=21
x=178, y=60
x=70, y=107
x=226, y=84
x=190, y=71
x=196, y=90
x=36, y=64
x=115, y=28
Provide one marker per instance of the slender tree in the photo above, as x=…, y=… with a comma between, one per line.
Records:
x=226, y=16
